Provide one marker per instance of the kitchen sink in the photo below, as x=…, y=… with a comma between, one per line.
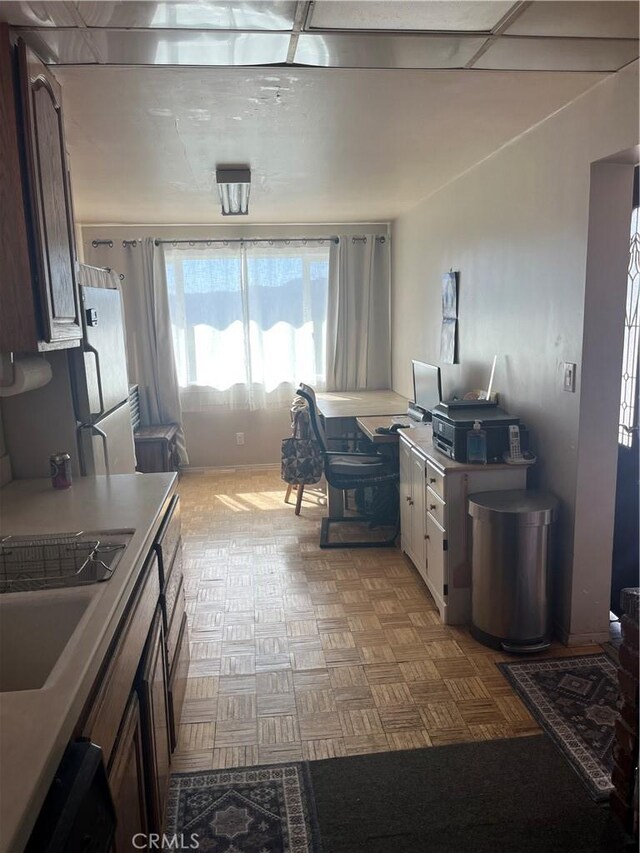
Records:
x=29, y=563
x=34, y=631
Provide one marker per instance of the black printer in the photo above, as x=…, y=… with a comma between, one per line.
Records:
x=452, y=423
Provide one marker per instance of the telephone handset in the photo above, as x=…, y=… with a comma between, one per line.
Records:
x=514, y=455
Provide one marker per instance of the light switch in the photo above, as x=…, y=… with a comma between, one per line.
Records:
x=569, y=373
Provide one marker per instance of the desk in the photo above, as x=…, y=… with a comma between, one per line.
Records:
x=354, y=404
x=339, y=411
x=369, y=425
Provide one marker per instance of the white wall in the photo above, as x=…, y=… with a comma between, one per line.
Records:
x=211, y=435
x=516, y=227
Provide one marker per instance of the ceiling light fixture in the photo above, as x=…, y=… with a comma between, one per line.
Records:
x=234, y=185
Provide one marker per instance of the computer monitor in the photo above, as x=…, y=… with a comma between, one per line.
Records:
x=427, y=386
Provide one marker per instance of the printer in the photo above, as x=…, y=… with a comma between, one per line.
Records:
x=452, y=422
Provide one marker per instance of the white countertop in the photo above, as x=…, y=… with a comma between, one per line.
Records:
x=36, y=725
x=421, y=438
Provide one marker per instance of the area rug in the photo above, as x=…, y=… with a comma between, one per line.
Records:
x=252, y=809
x=575, y=701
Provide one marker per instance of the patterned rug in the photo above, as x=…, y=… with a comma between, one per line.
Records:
x=247, y=810
x=575, y=700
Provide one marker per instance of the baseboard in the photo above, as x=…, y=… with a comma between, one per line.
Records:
x=587, y=639
x=265, y=466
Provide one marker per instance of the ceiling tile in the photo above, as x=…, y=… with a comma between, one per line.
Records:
x=256, y=15
x=558, y=54
x=69, y=46
x=477, y=16
x=590, y=19
x=36, y=14
x=383, y=51
x=171, y=47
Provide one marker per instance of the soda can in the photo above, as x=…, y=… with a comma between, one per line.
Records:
x=60, y=470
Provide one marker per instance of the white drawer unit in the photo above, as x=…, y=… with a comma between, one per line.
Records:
x=435, y=530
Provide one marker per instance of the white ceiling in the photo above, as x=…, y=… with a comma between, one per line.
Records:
x=345, y=111
x=323, y=145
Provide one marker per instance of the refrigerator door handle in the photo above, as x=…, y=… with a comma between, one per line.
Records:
x=94, y=352
x=105, y=444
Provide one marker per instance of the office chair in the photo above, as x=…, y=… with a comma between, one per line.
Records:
x=349, y=471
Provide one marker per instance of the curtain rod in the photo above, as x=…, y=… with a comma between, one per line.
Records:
x=225, y=241
x=287, y=240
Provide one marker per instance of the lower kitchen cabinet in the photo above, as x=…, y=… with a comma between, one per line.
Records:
x=154, y=712
x=127, y=779
x=135, y=712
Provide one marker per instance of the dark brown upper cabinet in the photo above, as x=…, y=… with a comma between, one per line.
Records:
x=39, y=293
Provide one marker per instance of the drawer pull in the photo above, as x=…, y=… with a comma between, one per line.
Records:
x=426, y=535
x=410, y=502
x=432, y=507
x=432, y=479
x=408, y=498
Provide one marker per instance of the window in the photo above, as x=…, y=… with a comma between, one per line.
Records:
x=249, y=319
x=628, y=392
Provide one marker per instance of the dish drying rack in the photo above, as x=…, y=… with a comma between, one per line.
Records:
x=50, y=562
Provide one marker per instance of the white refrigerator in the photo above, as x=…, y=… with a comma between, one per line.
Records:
x=85, y=408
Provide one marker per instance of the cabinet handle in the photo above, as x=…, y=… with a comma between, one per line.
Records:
x=432, y=479
x=432, y=506
x=410, y=502
x=426, y=535
x=408, y=498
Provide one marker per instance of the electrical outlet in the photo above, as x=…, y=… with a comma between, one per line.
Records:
x=239, y=438
x=569, y=374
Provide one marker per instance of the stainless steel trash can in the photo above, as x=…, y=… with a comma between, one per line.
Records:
x=510, y=569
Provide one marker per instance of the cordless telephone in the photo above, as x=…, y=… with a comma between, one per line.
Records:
x=515, y=453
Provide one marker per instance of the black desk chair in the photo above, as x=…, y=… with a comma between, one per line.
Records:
x=349, y=471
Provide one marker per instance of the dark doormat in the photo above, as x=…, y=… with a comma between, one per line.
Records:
x=247, y=810
x=575, y=701
x=502, y=796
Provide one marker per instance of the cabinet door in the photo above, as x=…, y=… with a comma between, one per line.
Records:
x=405, y=497
x=127, y=781
x=436, y=558
x=18, y=322
x=50, y=198
x=178, y=680
x=418, y=518
x=152, y=689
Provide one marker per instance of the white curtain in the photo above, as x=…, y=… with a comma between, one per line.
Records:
x=358, y=315
x=248, y=320
x=150, y=360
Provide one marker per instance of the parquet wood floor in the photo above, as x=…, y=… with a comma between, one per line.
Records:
x=299, y=653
